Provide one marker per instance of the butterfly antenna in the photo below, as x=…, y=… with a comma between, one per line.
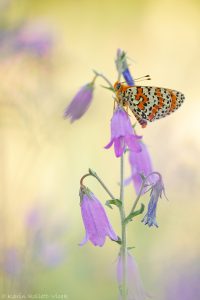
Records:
x=146, y=77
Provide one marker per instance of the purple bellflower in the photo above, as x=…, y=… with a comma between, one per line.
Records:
x=122, y=67
x=122, y=133
x=80, y=103
x=135, y=289
x=97, y=225
x=141, y=164
x=156, y=192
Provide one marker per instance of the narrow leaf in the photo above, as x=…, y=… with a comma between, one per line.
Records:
x=116, y=202
x=134, y=214
x=119, y=241
x=129, y=248
x=108, y=88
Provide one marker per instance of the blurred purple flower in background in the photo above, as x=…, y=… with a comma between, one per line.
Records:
x=45, y=245
x=156, y=192
x=33, y=218
x=35, y=38
x=31, y=38
x=97, y=225
x=122, y=133
x=140, y=163
x=122, y=67
x=12, y=262
x=51, y=254
x=80, y=103
x=135, y=289
x=183, y=283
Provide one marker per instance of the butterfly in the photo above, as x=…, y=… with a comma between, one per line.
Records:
x=148, y=103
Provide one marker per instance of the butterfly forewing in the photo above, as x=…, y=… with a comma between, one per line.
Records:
x=151, y=103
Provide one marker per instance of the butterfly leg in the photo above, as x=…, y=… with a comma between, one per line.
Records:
x=114, y=104
x=126, y=107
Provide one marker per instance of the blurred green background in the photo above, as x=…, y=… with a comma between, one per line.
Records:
x=47, y=51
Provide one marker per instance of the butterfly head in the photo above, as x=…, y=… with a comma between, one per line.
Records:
x=118, y=86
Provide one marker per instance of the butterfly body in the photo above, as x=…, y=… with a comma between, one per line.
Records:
x=148, y=103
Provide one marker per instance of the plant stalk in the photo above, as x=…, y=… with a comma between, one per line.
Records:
x=123, y=232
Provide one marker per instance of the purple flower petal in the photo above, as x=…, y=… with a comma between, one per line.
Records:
x=97, y=225
x=128, y=77
x=157, y=190
x=80, y=103
x=140, y=162
x=133, y=143
x=119, y=146
x=135, y=289
x=122, y=67
x=122, y=134
x=84, y=241
x=109, y=144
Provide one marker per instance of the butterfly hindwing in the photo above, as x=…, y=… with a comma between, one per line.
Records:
x=151, y=103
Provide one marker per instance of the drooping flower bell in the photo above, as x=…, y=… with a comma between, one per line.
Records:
x=122, y=134
x=135, y=289
x=156, y=193
x=141, y=164
x=80, y=103
x=97, y=225
x=122, y=67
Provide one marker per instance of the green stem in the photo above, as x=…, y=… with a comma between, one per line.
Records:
x=104, y=77
x=138, y=196
x=94, y=174
x=123, y=230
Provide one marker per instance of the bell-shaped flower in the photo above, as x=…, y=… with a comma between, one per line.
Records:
x=135, y=288
x=122, y=67
x=141, y=165
x=80, y=103
x=156, y=193
x=122, y=134
x=97, y=225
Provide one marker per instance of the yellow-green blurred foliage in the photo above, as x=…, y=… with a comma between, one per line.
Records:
x=43, y=156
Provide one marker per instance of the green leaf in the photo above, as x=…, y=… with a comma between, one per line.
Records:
x=129, y=248
x=134, y=214
x=116, y=202
x=108, y=88
x=119, y=241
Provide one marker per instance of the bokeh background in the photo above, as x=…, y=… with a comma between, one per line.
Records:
x=47, y=51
